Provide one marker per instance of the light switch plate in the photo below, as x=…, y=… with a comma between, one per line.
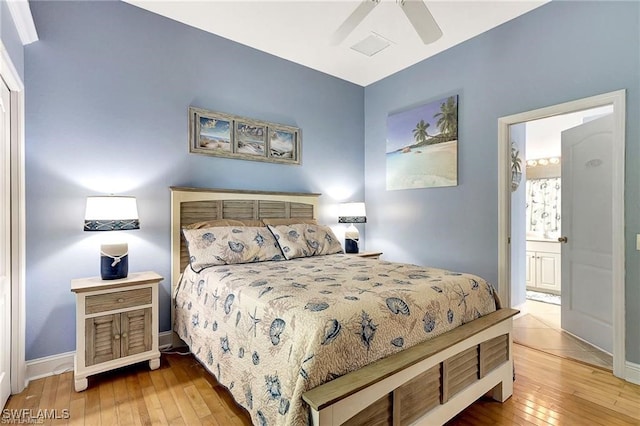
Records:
x=638, y=242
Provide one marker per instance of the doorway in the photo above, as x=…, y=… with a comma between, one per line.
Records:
x=617, y=100
x=576, y=328
x=14, y=209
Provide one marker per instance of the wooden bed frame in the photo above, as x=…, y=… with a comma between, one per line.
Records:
x=426, y=384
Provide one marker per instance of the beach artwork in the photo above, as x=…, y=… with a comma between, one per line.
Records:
x=224, y=135
x=250, y=139
x=282, y=144
x=422, y=146
x=215, y=134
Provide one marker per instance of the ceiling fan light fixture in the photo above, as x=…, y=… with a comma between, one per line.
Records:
x=371, y=45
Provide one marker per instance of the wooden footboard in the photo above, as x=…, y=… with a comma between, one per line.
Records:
x=427, y=384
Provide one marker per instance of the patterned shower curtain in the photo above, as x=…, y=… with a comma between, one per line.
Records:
x=543, y=206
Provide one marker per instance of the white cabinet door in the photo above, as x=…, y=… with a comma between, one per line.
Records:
x=548, y=271
x=530, y=269
x=543, y=266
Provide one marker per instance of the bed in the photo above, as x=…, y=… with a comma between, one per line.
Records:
x=330, y=339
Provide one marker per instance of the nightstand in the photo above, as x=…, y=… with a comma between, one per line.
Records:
x=116, y=324
x=368, y=254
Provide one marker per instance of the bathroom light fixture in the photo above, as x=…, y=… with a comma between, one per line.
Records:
x=543, y=161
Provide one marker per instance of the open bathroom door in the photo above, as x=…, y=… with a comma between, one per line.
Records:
x=587, y=252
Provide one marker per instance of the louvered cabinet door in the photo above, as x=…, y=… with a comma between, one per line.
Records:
x=102, y=337
x=136, y=331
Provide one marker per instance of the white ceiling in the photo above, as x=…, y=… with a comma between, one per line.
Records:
x=300, y=30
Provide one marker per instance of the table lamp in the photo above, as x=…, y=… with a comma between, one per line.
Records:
x=112, y=213
x=352, y=213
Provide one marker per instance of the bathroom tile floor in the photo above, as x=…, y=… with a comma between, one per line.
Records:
x=540, y=329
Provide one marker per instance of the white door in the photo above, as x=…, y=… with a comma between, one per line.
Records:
x=5, y=246
x=587, y=190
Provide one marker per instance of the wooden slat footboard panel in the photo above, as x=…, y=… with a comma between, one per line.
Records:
x=459, y=371
x=493, y=353
x=416, y=397
x=380, y=413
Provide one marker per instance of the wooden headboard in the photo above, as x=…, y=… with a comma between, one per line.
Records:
x=191, y=205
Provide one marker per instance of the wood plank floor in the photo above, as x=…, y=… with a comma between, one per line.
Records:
x=548, y=391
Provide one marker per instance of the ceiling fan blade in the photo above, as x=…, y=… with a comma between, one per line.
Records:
x=353, y=21
x=422, y=20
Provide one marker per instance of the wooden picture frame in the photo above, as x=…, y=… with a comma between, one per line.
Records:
x=284, y=144
x=250, y=138
x=224, y=135
x=210, y=133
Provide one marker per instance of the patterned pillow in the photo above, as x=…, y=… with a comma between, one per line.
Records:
x=226, y=245
x=303, y=240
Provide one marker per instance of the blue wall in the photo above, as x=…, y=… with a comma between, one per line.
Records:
x=559, y=52
x=106, y=109
x=108, y=91
x=11, y=39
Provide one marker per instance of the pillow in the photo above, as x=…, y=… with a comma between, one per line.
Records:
x=303, y=240
x=291, y=240
x=226, y=245
x=290, y=221
x=224, y=222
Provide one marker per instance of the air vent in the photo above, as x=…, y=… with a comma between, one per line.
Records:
x=371, y=45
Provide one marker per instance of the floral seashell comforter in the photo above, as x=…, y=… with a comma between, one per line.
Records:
x=270, y=331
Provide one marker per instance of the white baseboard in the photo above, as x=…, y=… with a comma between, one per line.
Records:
x=632, y=373
x=49, y=365
x=523, y=310
x=61, y=363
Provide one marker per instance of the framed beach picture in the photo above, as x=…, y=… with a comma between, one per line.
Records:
x=422, y=146
x=224, y=135
x=284, y=144
x=211, y=132
x=250, y=138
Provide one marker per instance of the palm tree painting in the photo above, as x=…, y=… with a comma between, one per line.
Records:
x=422, y=146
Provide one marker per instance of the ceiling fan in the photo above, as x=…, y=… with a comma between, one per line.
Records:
x=417, y=12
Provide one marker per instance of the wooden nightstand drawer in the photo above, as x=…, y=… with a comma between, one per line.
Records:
x=118, y=300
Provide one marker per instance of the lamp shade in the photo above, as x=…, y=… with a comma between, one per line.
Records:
x=111, y=213
x=352, y=213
